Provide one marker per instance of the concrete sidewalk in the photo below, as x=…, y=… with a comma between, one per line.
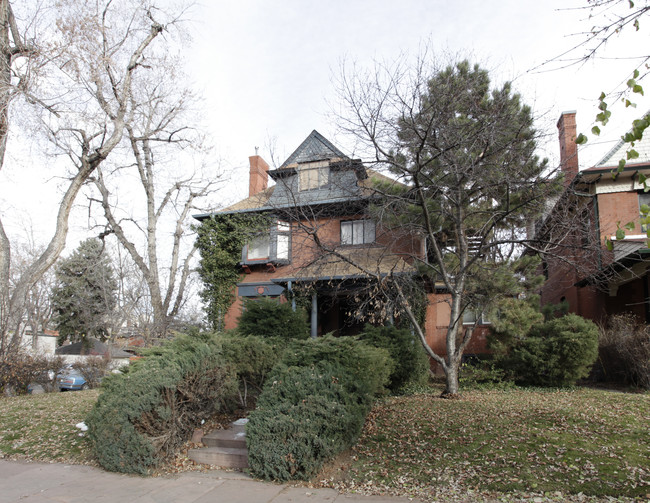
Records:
x=41, y=483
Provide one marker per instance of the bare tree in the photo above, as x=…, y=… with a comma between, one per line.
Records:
x=38, y=304
x=161, y=130
x=91, y=61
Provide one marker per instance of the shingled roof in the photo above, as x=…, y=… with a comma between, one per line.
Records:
x=374, y=260
x=619, y=152
x=315, y=148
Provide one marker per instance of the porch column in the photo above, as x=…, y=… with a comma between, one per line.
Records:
x=293, y=298
x=314, y=315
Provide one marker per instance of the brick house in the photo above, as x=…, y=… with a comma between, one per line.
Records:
x=323, y=237
x=606, y=281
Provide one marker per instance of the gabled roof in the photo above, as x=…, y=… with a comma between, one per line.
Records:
x=94, y=348
x=619, y=151
x=315, y=148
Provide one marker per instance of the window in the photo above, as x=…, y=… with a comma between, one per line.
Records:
x=644, y=198
x=470, y=316
x=314, y=178
x=274, y=246
x=282, y=241
x=259, y=247
x=357, y=232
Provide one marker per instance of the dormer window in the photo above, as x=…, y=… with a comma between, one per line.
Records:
x=312, y=178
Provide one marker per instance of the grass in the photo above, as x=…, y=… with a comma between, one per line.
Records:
x=580, y=442
x=42, y=427
x=516, y=444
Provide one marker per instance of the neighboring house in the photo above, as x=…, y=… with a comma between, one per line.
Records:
x=43, y=344
x=321, y=193
x=606, y=281
x=77, y=351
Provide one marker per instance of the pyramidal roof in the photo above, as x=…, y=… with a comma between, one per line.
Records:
x=619, y=151
x=315, y=148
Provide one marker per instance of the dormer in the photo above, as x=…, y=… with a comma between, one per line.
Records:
x=315, y=173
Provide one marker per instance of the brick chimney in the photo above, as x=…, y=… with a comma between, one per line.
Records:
x=568, y=148
x=259, y=175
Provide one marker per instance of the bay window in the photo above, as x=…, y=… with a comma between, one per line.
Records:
x=272, y=246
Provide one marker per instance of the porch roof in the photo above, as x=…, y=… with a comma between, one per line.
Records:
x=352, y=263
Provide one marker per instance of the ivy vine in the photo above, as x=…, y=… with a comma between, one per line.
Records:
x=220, y=239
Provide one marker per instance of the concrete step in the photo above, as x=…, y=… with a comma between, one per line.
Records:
x=220, y=456
x=234, y=437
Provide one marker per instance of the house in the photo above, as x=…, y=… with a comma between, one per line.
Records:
x=602, y=281
x=78, y=351
x=43, y=343
x=323, y=241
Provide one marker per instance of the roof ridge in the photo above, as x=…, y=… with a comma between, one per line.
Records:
x=310, y=150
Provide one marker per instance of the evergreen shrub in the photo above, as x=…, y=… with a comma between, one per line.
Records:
x=368, y=366
x=411, y=364
x=313, y=406
x=147, y=412
x=556, y=353
x=268, y=317
x=251, y=358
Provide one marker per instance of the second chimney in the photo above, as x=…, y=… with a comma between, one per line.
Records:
x=568, y=147
x=259, y=175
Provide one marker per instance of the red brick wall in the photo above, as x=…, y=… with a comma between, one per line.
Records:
x=620, y=207
x=304, y=250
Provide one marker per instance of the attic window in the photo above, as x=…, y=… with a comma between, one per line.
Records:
x=314, y=178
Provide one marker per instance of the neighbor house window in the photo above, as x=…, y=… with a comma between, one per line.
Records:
x=470, y=316
x=644, y=198
x=275, y=245
x=357, y=232
x=314, y=178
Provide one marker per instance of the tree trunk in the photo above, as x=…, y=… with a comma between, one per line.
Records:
x=451, y=376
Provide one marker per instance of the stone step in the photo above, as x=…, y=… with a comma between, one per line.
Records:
x=234, y=437
x=220, y=456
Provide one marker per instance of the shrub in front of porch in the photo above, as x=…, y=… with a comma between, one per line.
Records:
x=251, y=358
x=268, y=317
x=313, y=406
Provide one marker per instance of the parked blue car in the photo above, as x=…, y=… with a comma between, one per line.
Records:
x=72, y=379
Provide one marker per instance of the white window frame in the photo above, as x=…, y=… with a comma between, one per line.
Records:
x=274, y=245
x=470, y=317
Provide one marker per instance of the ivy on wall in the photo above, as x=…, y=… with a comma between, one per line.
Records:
x=220, y=241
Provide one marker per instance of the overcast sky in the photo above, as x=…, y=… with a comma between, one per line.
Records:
x=266, y=67
x=266, y=70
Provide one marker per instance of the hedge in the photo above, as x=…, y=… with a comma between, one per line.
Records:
x=555, y=353
x=313, y=406
x=411, y=362
x=146, y=413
